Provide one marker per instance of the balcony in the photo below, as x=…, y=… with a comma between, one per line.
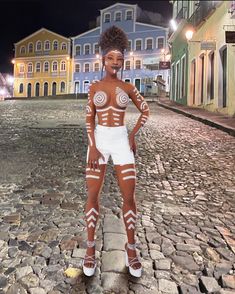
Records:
x=182, y=14
x=202, y=11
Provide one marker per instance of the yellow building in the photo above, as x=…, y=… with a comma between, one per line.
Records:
x=42, y=65
x=211, y=57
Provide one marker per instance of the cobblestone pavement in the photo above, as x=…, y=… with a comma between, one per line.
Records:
x=185, y=196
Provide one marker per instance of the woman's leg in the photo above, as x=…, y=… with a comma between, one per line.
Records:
x=94, y=180
x=126, y=175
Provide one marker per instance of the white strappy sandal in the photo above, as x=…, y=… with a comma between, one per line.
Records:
x=134, y=272
x=89, y=271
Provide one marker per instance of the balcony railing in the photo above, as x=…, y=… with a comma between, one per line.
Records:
x=203, y=10
x=182, y=14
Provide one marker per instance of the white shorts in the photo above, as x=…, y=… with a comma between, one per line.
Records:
x=114, y=142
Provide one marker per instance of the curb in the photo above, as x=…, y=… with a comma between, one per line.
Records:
x=206, y=121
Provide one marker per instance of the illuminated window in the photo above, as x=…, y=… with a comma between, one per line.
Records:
x=30, y=67
x=97, y=66
x=127, y=65
x=46, y=66
x=63, y=66
x=86, y=67
x=129, y=15
x=77, y=67
x=55, y=45
x=107, y=17
x=22, y=50
x=38, y=66
x=118, y=16
x=47, y=45
x=30, y=47
x=54, y=66
x=138, y=45
x=137, y=64
x=149, y=44
x=38, y=46
x=63, y=46
x=87, y=49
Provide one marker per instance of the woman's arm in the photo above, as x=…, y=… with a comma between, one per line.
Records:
x=142, y=105
x=93, y=152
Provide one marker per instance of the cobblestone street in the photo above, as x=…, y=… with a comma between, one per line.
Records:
x=185, y=197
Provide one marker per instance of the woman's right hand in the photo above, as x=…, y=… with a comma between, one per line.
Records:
x=93, y=159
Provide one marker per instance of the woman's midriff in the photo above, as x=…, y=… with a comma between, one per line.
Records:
x=113, y=119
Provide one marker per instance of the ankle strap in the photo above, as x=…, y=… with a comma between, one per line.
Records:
x=131, y=246
x=90, y=243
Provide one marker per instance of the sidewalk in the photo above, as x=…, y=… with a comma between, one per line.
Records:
x=217, y=120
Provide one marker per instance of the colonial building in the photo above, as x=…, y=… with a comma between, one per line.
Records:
x=203, y=55
x=42, y=65
x=147, y=48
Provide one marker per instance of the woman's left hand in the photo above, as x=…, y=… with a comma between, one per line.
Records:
x=132, y=143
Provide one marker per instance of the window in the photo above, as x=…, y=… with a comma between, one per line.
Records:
x=47, y=45
x=107, y=17
x=87, y=49
x=127, y=65
x=22, y=50
x=63, y=46
x=77, y=67
x=138, y=44
x=55, y=45
x=21, y=69
x=149, y=44
x=63, y=66
x=78, y=50
x=118, y=16
x=96, y=48
x=129, y=14
x=138, y=64
x=54, y=66
x=129, y=45
x=30, y=47
x=160, y=43
x=96, y=66
x=21, y=88
x=38, y=46
x=30, y=67
x=86, y=67
x=62, y=87
x=38, y=66
x=46, y=66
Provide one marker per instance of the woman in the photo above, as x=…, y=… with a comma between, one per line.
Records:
x=108, y=100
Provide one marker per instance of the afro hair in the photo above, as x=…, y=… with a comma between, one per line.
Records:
x=113, y=38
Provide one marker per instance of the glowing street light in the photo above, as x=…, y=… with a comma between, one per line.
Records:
x=189, y=34
x=173, y=24
x=10, y=80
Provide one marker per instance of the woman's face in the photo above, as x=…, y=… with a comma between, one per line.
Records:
x=113, y=61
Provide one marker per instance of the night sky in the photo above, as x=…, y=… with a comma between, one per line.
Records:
x=20, y=18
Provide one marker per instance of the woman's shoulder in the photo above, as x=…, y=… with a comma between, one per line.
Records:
x=94, y=85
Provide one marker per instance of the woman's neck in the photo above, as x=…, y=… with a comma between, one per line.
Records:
x=110, y=78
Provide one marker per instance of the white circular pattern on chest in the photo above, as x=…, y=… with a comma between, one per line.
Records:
x=100, y=98
x=122, y=98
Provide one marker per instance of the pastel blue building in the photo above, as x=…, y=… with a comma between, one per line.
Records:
x=147, y=47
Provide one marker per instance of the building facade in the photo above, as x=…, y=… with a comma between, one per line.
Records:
x=147, y=47
x=42, y=65
x=209, y=73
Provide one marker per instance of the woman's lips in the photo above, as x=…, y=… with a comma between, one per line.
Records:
x=115, y=67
